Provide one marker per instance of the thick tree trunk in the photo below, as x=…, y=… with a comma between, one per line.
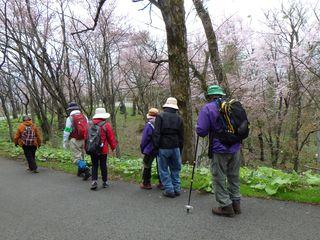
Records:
x=212, y=46
x=173, y=14
x=61, y=117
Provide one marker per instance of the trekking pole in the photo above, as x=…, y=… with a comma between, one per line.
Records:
x=157, y=169
x=188, y=206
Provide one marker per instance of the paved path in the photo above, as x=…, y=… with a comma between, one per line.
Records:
x=58, y=206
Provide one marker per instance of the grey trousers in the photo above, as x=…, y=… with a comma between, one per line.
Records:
x=77, y=149
x=225, y=169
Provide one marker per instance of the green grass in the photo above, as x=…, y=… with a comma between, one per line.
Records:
x=302, y=195
x=129, y=134
x=128, y=168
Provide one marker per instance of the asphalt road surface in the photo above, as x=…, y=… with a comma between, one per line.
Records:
x=58, y=206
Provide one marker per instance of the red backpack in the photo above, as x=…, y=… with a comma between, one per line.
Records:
x=80, y=126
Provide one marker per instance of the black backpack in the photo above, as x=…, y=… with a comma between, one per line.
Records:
x=93, y=141
x=236, y=126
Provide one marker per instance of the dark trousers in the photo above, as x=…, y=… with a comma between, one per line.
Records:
x=30, y=153
x=102, y=161
x=147, y=164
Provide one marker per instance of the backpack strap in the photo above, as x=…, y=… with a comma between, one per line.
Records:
x=151, y=124
x=102, y=124
x=225, y=111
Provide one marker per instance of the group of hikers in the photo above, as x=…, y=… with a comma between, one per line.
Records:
x=162, y=139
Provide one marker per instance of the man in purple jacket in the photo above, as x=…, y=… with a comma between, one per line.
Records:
x=225, y=160
x=147, y=148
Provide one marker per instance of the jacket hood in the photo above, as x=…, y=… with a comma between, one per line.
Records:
x=171, y=110
x=27, y=123
x=74, y=112
x=97, y=120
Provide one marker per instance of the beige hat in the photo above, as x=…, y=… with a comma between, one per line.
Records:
x=153, y=112
x=171, y=103
x=101, y=113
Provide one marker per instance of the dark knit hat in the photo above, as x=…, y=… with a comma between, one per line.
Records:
x=26, y=118
x=73, y=106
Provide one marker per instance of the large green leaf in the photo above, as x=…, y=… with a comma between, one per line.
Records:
x=271, y=189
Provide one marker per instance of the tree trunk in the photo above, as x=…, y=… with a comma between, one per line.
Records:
x=7, y=114
x=280, y=119
x=61, y=117
x=261, y=145
x=12, y=100
x=173, y=14
x=134, y=107
x=212, y=46
x=296, y=135
x=318, y=143
x=271, y=147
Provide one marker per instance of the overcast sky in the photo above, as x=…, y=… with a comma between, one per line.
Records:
x=249, y=10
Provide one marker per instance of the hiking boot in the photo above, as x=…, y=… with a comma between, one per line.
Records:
x=94, y=185
x=87, y=174
x=177, y=193
x=160, y=186
x=169, y=194
x=236, y=207
x=105, y=184
x=226, y=211
x=146, y=186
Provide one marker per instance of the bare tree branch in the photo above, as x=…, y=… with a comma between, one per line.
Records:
x=100, y=5
x=306, y=138
x=6, y=35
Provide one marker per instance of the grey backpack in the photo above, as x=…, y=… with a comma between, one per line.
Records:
x=93, y=141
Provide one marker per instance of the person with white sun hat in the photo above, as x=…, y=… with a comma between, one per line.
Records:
x=168, y=138
x=99, y=158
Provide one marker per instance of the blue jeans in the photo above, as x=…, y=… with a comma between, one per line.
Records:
x=169, y=159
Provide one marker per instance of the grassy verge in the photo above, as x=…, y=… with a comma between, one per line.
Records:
x=130, y=170
x=302, y=195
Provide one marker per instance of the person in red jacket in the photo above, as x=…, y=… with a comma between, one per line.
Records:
x=107, y=138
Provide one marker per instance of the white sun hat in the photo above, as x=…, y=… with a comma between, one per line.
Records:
x=171, y=103
x=101, y=113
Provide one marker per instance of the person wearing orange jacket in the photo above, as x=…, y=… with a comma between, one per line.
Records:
x=107, y=138
x=29, y=138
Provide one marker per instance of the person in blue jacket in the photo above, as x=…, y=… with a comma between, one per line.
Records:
x=147, y=148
